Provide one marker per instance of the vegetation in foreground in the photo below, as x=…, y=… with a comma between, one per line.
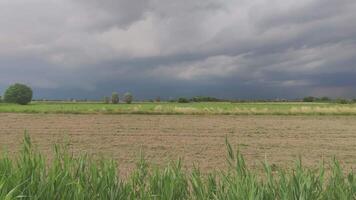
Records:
x=29, y=177
x=224, y=108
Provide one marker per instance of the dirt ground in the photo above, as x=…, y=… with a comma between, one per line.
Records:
x=198, y=140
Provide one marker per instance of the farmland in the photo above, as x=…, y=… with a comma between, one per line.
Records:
x=227, y=108
x=125, y=151
x=198, y=139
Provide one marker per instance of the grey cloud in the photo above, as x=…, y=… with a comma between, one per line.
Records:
x=302, y=12
x=108, y=13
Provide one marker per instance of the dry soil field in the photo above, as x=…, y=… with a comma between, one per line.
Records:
x=197, y=139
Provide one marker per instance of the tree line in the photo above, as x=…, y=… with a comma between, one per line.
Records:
x=328, y=100
x=22, y=94
x=115, y=98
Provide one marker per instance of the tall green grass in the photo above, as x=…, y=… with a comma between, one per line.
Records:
x=28, y=176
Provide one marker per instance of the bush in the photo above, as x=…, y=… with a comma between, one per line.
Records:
x=18, y=93
x=115, y=98
x=325, y=99
x=106, y=100
x=128, y=98
x=342, y=101
x=309, y=99
x=0, y=99
x=205, y=99
x=183, y=100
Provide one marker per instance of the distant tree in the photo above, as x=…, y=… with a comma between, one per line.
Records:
x=115, y=98
x=18, y=93
x=0, y=99
x=342, y=101
x=309, y=99
x=204, y=99
x=128, y=98
x=183, y=100
x=325, y=99
x=158, y=99
x=106, y=100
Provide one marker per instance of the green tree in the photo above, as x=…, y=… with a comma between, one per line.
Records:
x=309, y=99
x=183, y=100
x=128, y=98
x=325, y=99
x=205, y=99
x=342, y=101
x=115, y=98
x=18, y=93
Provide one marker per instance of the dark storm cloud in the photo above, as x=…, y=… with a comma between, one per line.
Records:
x=224, y=48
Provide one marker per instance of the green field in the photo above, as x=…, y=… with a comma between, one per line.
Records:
x=297, y=108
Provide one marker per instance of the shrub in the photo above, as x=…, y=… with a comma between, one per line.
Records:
x=106, y=100
x=115, y=98
x=205, y=99
x=325, y=99
x=342, y=101
x=183, y=100
x=128, y=98
x=18, y=93
x=309, y=99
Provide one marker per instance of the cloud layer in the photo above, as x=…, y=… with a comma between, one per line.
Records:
x=224, y=48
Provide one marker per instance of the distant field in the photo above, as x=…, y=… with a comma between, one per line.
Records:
x=297, y=108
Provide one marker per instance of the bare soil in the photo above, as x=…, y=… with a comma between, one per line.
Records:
x=198, y=140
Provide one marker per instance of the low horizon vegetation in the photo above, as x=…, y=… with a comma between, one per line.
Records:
x=29, y=176
x=194, y=108
x=22, y=94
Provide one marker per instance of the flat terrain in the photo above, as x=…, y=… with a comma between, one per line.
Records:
x=198, y=139
x=216, y=108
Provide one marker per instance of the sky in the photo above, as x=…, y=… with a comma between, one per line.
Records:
x=250, y=49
